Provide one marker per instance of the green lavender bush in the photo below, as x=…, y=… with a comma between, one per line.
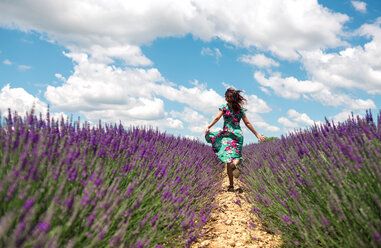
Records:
x=66, y=185
x=320, y=187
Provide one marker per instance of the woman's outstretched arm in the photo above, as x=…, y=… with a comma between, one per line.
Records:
x=249, y=126
x=216, y=118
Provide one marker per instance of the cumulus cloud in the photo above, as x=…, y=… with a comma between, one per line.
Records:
x=256, y=104
x=294, y=26
x=196, y=121
x=258, y=122
x=129, y=54
x=359, y=6
x=205, y=100
x=259, y=60
x=131, y=95
x=332, y=74
x=301, y=118
x=292, y=88
x=98, y=87
x=329, y=98
x=266, y=126
x=356, y=67
x=17, y=99
x=289, y=87
x=295, y=120
x=341, y=117
x=287, y=123
x=175, y=124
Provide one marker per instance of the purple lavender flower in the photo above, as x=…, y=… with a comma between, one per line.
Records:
x=29, y=203
x=43, y=226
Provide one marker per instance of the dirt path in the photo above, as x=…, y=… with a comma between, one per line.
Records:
x=232, y=225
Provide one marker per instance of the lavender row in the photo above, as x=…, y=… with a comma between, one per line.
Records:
x=66, y=185
x=320, y=187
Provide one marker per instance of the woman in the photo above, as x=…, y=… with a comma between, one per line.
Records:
x=228, y=142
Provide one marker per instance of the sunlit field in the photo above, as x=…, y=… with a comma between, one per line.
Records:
x=320, y=187
x=65, y=184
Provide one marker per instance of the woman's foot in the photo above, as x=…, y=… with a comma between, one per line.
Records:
x=230, y=188
x=235, y=167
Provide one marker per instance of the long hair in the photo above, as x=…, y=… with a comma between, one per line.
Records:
x=234, y=99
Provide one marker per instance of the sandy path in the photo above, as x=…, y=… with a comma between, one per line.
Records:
x=232, y=225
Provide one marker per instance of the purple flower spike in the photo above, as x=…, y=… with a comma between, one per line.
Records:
x=29, y=203
x=43, y=226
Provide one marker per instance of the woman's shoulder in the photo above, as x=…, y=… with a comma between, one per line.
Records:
x=223, y=107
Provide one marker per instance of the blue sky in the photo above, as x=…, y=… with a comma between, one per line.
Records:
x=168, y=63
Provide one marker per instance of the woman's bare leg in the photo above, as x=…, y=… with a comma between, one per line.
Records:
x=230, y=174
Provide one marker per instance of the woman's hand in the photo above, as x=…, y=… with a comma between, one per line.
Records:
x=261, y=137
x=207, y=130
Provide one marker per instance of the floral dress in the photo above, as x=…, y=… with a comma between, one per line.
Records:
x=227, y=143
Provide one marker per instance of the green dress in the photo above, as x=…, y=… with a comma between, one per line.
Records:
x=227, y=143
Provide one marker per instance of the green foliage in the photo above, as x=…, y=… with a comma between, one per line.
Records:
x=63, y=185
x=320, y=187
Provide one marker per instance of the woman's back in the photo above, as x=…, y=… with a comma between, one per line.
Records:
x=231, y=118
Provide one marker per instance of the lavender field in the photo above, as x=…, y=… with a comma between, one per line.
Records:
x=66, y=185
x=320, y=187
x=72, y=185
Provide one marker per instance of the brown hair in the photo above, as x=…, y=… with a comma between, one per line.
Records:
x=234, y=99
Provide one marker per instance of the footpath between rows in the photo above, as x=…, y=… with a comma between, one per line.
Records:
x=232, y=224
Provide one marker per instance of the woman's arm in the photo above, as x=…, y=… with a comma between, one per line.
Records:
x=216, y=118
x=249, y=126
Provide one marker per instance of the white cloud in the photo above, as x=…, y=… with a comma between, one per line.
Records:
x=17, y=99
x=24, y=67
x=146, y=109
x=175, y=124
x=292, y=88
x=341, y=117
x=359, y=6
x=196, y=121
x=296, y=120
x=280, y=26
x=131, y=95
x=206, y=51
x=356, y=67
x=287, y=123
x=256, y=105
x=257, y=121
x=207, y=101
x=58, y=116
x=301, y=118
x=7, y=62
x=60, y=77
x=130, y=55
x=99, y=87
x=226, y=85
x=329, y=98
x=345, y=115
x=265, y=90
x=266, y=126
x=259, y=60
